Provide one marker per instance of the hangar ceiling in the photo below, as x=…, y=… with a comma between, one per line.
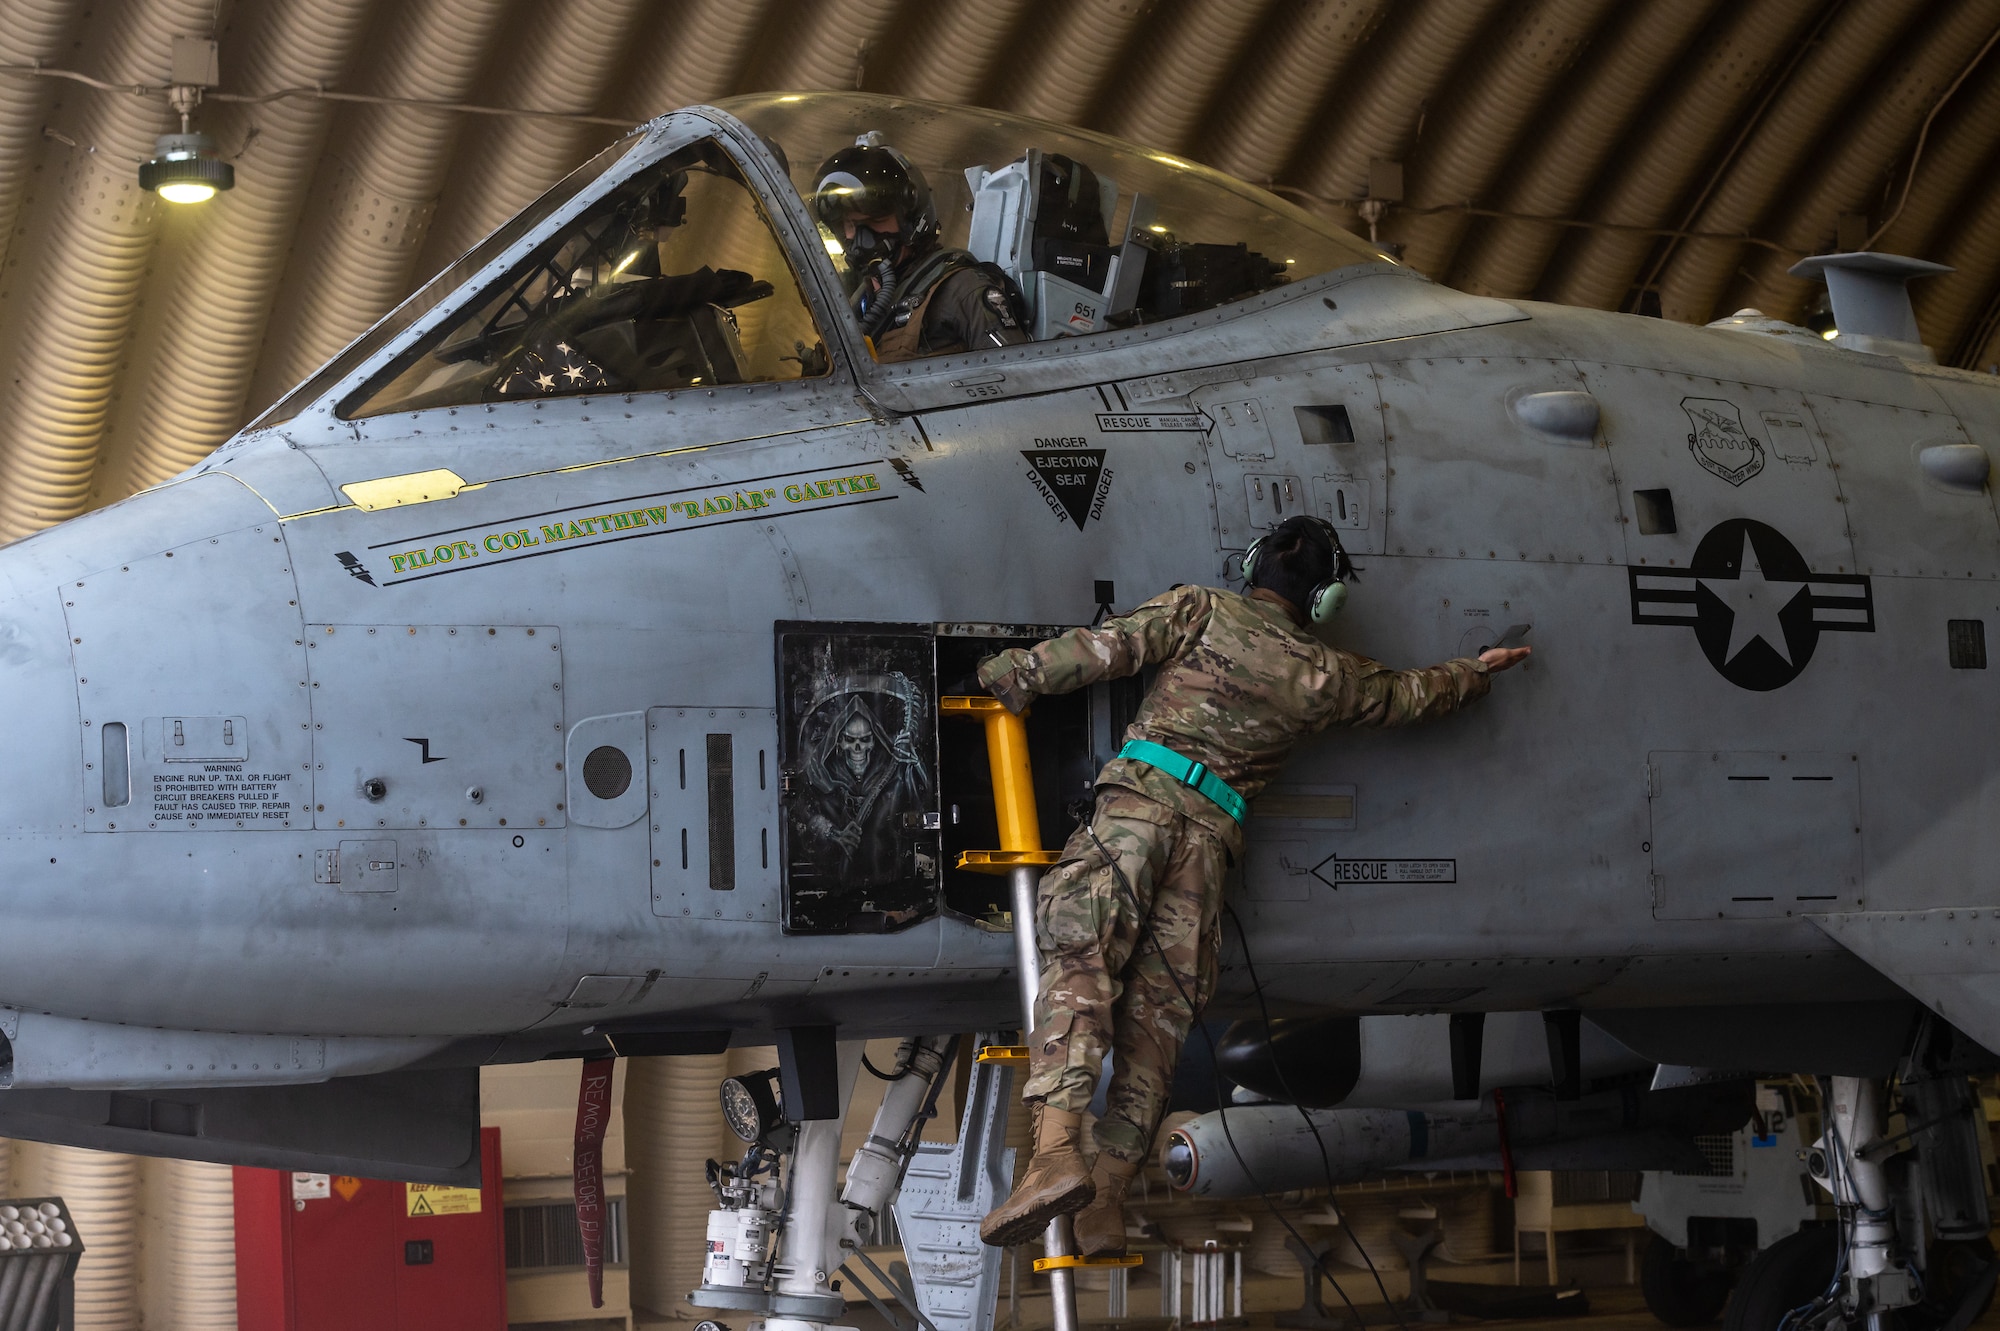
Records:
x=1661, y=156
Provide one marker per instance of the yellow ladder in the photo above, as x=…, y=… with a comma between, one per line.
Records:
x=1022, y=859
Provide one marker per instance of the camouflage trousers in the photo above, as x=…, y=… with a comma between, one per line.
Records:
x=1105, y=985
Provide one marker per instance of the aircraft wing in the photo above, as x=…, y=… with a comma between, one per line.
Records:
x=420, y=1127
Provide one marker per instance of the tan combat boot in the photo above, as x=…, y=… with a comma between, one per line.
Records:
x=1056, y=1183
x=1100, y=1226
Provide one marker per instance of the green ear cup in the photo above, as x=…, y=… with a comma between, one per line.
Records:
x=1326, y=602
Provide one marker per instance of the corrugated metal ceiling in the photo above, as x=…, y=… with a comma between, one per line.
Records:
x=134, y=337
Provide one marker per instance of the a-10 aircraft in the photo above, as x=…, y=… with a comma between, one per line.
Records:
x=558, y=670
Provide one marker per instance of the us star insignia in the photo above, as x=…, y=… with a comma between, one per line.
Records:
x=1754, y=606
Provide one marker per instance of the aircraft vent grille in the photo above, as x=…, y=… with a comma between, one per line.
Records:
x=721, y=813
x=1718, y=1154
x=542, y=1235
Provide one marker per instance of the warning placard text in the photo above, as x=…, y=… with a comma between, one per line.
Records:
x=222, y=793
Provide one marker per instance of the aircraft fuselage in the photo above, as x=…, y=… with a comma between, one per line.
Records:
x=1761, y=716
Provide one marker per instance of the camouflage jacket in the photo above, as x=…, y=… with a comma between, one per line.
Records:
x=1239, y=684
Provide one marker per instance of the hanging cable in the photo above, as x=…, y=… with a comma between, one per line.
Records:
x=318, y=92
x=1579, y=223
x=900, y=1071
x=1917, y=153
x=1838, y=1184
x=467, y=108
x=1728, y=159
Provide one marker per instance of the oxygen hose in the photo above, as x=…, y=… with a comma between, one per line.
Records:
x=883, y=300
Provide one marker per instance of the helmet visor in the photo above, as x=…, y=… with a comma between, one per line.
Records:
x=869, y=184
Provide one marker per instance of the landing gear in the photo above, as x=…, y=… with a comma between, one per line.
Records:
x=1908, y=1249
x=780, y=1232
x=1794, y=1271
x=1680, y=1291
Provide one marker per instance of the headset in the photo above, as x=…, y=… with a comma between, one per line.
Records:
x=1325, y=600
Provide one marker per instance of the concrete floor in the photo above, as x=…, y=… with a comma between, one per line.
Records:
x=1614, y=1304
x=1595, y=1263
x=1613, y=1307
x=1600, y=1270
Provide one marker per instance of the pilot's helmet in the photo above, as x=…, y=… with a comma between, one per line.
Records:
x=870, y=180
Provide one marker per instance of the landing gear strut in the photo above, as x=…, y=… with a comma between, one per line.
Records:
x=779, y=1232
x=1908, y=1250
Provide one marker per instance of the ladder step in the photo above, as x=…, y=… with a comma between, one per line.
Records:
x=1066, y=1260
x=1005, y=861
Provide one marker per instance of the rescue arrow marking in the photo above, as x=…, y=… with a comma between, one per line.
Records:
x=1333, y=871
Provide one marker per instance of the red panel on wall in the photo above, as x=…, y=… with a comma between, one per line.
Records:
x=315, y=1253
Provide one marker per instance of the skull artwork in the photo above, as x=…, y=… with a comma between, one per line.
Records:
x=857, y=745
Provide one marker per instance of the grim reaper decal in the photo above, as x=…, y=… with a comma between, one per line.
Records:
x=859, y=756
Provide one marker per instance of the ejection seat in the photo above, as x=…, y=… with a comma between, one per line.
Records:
x=1044, y=220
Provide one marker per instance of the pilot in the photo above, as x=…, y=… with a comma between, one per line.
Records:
x=913, y=297
x=1128, y=921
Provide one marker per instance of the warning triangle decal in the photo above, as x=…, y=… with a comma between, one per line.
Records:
x=418, y=1206
x=1068, y=478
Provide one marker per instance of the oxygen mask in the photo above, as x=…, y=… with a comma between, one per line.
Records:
x=867, y=247
x=871, y=254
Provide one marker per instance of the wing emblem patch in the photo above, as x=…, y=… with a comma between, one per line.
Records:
x=1718, y=440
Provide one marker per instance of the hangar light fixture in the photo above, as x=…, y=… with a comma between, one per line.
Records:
x=185, y=167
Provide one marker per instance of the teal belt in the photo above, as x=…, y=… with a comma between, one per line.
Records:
x=1188, y=772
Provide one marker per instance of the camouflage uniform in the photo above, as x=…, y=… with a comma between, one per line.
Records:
x=1239, y=685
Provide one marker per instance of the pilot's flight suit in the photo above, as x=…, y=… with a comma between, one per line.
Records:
x=1239, y=685
x=950, y=303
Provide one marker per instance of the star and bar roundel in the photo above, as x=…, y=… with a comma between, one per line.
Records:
x=1754, y=606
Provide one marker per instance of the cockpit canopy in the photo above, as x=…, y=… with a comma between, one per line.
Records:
x=1097, y=232
x=673, y=279
x=673, y=259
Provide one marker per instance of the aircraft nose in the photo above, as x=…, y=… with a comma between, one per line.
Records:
x=191, y=686
x=43, y=773
x=151, y=655
x=42, y=790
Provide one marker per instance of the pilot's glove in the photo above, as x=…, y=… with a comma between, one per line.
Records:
x=711, y=286
x=672, y=295
x=1000, y=675
x=734, y=288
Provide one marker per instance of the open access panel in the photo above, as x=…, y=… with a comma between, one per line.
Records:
x=878, y=797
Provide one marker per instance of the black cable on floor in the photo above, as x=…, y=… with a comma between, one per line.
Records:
x=1143, y=918
x=1325, y=1161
